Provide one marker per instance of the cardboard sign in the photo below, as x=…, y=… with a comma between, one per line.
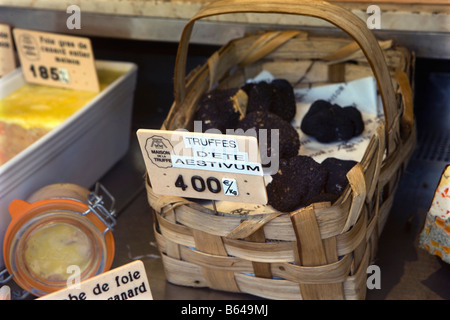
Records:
x=57, y=60
x=7, y=59
x=203, y=166
x=128, y=282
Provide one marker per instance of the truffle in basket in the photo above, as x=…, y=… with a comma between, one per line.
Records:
x=329, y=122
x=276, y=96
x=289, y=140
x=337, y=174
x=301, y=181
x=298, y=181
x=221, y=109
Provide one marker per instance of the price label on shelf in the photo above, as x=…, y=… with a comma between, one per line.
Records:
x=203, y=166
x=56, y=60
x=128, y=282
x=7, y=58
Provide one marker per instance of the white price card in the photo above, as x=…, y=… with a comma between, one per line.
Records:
x=57, y=60
x=7, y=58
x=128, y=282
x=203, y=166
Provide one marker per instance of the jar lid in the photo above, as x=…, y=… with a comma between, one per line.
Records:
x=51, y=242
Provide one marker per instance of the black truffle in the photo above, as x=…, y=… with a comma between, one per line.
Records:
x=299, y=180
x=217, y=110
x=330, y=122
x=355, y=116
x=276, y=96
x=337, y=174
x=288, y=143
x=283, y=100
x=259, y=96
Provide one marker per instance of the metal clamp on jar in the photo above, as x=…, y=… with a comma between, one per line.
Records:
x=61, y=234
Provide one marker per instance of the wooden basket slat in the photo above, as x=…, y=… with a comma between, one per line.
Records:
x=225, y=263
x=331, y=220
x=331, y=249
x=269, y=288
x=311, y=252
x=216, y=279
x=347, y=242
x=176, y=233
x=192, y=276
x=320, y=49
x=331, y=273
x=335, y=272
x=281, y=251
x=355, y=285
x=261, y=252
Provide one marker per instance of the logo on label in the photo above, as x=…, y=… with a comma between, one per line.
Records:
x=29, y=47
x=159, y=151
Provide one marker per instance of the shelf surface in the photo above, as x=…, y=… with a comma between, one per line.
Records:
x=424, y=28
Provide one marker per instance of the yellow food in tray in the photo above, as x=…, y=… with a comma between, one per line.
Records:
x=31, y=111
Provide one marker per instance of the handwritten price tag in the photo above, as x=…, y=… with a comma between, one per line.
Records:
x=57, y=60
x=128, y=282
x=7, y=59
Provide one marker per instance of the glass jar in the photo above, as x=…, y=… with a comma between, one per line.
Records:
x=61, y=234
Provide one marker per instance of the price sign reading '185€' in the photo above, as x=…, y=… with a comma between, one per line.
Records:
x=56, y=60
x=203, y=166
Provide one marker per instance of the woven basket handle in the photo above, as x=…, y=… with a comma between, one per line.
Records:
x=334, y=14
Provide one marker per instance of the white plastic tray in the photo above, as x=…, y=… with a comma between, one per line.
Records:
x=80, y=151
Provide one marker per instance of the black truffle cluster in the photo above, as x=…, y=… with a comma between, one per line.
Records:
x=329, y=122
x=218, y=111
x=337, y=179
x=263, y=122
x=297, y=181
x=276, y=97
x=301, y=180
x=270, y=105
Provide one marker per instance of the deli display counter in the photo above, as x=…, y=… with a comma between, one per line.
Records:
x=407, y=271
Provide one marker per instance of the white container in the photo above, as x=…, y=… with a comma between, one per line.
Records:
x=79, y=151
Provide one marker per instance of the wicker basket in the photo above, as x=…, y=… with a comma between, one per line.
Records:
x=317, y=252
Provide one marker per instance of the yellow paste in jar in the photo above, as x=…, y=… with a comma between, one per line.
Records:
x=31, y=111
x=50, y=250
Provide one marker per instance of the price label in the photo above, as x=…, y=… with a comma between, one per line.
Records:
x=7, y=58
x=203, y=166
x=128, y=282
x=57, y=60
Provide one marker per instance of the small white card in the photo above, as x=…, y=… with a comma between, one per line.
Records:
x=128, y=282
